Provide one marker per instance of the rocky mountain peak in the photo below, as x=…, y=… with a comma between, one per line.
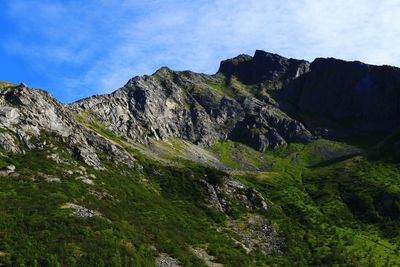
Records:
x=28, y=116
x=263, y=66
x=163, y=71
x=123, y=178
x=348, y=97
x=196, y=107
x=259, y=101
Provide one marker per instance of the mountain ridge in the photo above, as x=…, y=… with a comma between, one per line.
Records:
x=275, y=101
x=246, y=167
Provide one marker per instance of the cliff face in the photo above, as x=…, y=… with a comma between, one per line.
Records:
x=332, y=97
x=263, y=67
x=77, y=189
x=263, y=101
x=364, y=97
x=195, y=107
x=28, y=117
x=254, y=100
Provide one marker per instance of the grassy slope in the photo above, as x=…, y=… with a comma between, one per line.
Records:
x=6, y=85
x=155, y=209
x=330, y=211
x=155, y=206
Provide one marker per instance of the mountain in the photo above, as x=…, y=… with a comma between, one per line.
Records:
x=270, y=161
x=196, y=107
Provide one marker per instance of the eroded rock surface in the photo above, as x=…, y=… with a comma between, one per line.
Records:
x=256, y=232
x=80, y=211
x=220, y=196
x=166, y=261
x=28, y=116
x=193, y=107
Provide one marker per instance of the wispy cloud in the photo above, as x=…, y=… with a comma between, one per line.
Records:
x=359, y=29
x=101, y=44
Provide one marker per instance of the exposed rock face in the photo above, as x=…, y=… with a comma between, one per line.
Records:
x=10, y=169
x=26, y=114
x=80, y=211
x=147, y=107
x=262, y=67
x=8, y=143
x=187, y=105
x=261, y=101
x=221, y=196
x=166, y=261
x=255, y=232
x=359, y=97
x=334, y=98
x=266, y=126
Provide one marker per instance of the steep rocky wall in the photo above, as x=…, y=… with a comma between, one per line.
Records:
x=185, y=105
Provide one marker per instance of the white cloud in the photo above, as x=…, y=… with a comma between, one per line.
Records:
x=110, y=41
x=365, y=30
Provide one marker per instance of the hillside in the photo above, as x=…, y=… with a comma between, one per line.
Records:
x=271, y=161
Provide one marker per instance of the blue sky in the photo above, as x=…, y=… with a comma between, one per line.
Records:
x=78, y=48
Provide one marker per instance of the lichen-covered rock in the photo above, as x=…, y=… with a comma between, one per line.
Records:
x=80, y=211
x=8, y=143
x=8, y=170
x=220, y=196
x=166, y=261
x=255, y=232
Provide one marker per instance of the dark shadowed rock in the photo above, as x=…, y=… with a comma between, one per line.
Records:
x=263, y=66
x=264, y=101
x=352, y=97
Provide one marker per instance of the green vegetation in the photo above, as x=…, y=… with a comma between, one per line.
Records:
x=147, y=210
x=222, y=88
x=232, y=87
x=242, y=157
x=388, y=148
x=332, y=209
x=333, y=206
x=6, y=85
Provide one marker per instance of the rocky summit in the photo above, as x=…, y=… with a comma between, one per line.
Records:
x=270, y=161
x=199, y=108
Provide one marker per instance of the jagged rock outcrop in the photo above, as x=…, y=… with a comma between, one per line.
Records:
x=221, y=195
x=256, y=232
x=261, y=101
x=80, y=211
x=28, y=115
x=166, y=261
x=263, y=67
x=349, y=98
x=334, y=98
x=266, y=126
x=194, y=107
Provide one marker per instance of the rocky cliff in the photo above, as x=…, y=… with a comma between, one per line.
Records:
x=262, y=67
x=127, y=178
x=264, y=101
x=201, y=108
x=28, y=117
x=350, y=98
